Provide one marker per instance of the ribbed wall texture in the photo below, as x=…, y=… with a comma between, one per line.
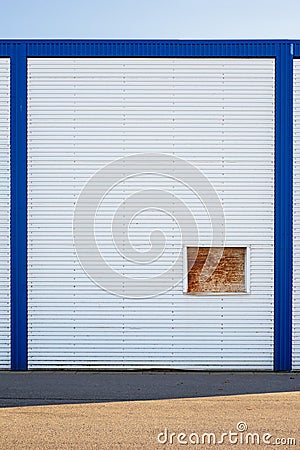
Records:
x=217, y=114
x=296, y=220
x=4, y=213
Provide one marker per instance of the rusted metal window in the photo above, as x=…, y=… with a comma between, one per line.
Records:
x=216, y=270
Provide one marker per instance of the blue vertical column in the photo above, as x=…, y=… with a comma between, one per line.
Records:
x=283, y=208
x=18, y=206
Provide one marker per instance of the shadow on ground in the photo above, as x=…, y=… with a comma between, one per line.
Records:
x=57, y=387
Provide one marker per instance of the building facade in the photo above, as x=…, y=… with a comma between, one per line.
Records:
x=154, y=155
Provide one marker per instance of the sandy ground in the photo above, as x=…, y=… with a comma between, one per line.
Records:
x=137, y=424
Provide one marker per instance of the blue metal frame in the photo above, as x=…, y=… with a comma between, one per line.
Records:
x=18, y=135
x=20, y=50
x=283, y=209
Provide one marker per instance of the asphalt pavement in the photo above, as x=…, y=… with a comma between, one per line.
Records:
x=149, y=410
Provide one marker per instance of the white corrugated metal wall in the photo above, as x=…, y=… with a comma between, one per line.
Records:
x=82, y=114
x=4, y=213
x=296, y=221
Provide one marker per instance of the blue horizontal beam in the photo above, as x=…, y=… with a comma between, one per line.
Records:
x=151, y=48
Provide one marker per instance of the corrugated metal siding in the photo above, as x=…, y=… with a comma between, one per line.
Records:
x=4, y=213
x=82, y=114
x=296, y=220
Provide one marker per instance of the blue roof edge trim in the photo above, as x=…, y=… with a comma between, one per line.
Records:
x=146, y=48
x=201, y=41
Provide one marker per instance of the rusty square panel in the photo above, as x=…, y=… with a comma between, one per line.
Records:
x=229, y=274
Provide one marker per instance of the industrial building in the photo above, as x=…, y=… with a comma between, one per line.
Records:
x=150, y=205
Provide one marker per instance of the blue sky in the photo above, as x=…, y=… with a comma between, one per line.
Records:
x=151, y=19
